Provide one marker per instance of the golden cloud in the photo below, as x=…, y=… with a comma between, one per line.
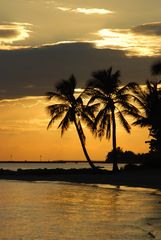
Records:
x=92, y=11
x=13, y=32
x=87, y=11
x=133, y=42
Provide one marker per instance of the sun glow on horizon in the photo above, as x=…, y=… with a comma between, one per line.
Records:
x=23, y=133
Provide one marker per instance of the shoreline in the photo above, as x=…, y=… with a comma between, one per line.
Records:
x=146, y=178
x=52, y=161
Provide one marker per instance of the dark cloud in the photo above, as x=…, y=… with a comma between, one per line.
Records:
x=148, y=28
x=34, y=71
x=8, y=33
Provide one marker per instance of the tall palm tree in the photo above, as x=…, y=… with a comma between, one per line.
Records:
x=149, y=102
x=71, y=109
x=104, y=87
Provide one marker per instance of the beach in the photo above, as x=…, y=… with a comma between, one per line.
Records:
x=147, y=178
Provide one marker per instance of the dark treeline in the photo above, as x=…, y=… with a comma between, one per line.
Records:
x=102, y=102
x=150, y=159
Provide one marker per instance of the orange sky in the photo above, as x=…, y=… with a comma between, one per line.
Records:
x=44, y=41
x=23, y=135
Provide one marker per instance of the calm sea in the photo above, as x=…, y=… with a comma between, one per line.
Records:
x=63, y=211
x=67, y=165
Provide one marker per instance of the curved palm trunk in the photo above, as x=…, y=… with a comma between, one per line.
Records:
x=115, y=163
x=84, y=148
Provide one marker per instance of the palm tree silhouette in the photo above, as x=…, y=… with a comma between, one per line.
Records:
x=71, y=109
x=104, y=87
x=149, y=102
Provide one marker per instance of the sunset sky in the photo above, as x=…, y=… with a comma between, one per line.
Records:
x=43, y=41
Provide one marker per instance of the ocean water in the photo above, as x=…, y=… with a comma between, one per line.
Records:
x=63, y=211
x=67, y=165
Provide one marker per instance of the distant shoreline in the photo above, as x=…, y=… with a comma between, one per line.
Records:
x=147, y=178
x=57, y=161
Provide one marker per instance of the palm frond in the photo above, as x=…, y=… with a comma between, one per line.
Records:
x=122, y=98
x=57, y=108
x=64, y=124
x=98, y=117
x=54, y=118
x=91, y=109
x=131, y=113
x=132, y=86
x=150, y=86
x=94, y=93
x=142, y=122
x=89, y=122
x=57, y=96
x=123, y=121
x=102, y=124
x=56, y=111
x=130, y=108
x=104, y=127
x=87, y=115
x=102, y=112
x=137, y=90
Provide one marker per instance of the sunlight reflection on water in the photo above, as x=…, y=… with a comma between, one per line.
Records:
x=62, y=211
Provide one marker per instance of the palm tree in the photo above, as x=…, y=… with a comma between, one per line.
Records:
x=149, y=102
x=104, y=87
x=71, y=109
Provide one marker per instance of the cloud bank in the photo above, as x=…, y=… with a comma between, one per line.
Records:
x=141, y=40
x=34, y=71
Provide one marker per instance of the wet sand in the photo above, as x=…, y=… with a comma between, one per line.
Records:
x=148, y=178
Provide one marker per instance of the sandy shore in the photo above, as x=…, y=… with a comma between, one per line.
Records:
x=149, y=178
